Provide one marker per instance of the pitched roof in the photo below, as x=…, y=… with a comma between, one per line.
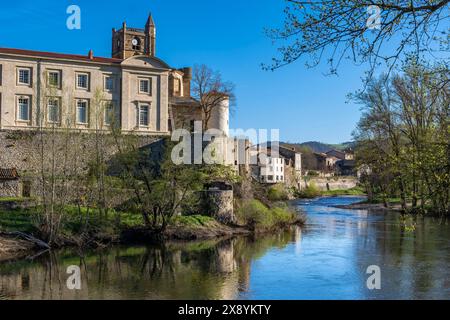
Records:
x=8, y=174
x=55, y=55
x=184, y=101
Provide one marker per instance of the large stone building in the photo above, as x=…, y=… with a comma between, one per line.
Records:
x=133, y=89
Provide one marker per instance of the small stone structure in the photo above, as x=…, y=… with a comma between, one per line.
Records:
x=218, y=202
x=10, y=185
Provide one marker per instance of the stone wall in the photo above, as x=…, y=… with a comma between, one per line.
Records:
x=10, y=188
x=219, y=204
x=64, y=154
x=334, y=183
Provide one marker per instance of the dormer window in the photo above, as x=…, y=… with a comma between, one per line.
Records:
x=136, y=44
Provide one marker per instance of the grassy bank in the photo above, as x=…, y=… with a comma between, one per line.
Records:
x=82, y=226
x=312, y=192
x=356, y=191
x=79, y=225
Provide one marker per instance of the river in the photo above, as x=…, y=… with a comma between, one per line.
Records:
x=326, y=259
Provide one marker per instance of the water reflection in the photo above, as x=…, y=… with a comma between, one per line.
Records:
x=327, y=259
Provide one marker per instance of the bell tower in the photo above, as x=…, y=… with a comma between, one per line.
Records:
x=150, y=34
x=128, y=42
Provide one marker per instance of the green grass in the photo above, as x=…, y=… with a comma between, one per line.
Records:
x=192, y=221
x=14, y=199
x=356, y=191
x=16, y=220
x=77, y=220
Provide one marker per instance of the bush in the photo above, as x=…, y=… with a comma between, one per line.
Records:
x=277, y=193
x=311, y=191
x=256, y=215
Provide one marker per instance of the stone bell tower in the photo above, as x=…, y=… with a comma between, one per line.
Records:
x=128, y=42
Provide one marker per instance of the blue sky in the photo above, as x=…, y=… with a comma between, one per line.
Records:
x=304, y=104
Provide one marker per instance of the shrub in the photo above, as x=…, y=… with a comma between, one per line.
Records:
x=311, y=191
x=277, y=193
x=256, y=215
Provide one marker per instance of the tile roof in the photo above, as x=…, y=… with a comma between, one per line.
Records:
x=8, y=174
x=54, y=55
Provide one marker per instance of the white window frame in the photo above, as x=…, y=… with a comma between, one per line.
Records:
x=140, y=106
x=87, y=81
x=87, y=111
x=58, y=72
x=58, y=110
x=18, y=113
x=29, y=70
x=148, y=80
x=113, y=79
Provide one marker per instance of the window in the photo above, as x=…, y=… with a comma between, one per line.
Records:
x=54, y=79
x=53, y=110
x=82, y=81
x=177, y=86
x=136, y=43
x=0, y=74
x=23, y=104
x=109, y=83
x=144, y=86
x=82, y=106
x=143, y=115
x=109, y=113
x=24, y=76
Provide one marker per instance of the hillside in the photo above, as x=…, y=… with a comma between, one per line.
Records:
x=322, y=147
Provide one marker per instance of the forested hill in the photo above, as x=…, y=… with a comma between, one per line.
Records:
x=322, y=147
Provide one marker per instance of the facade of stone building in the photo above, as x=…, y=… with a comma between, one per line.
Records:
x=133, y=89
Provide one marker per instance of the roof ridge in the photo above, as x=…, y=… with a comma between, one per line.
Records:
x=56, y=55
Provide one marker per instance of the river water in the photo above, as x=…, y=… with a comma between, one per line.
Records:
x=326, y=259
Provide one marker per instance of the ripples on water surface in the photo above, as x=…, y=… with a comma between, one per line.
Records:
x=326, y=259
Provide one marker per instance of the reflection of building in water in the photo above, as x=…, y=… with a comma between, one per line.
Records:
x=198, y=270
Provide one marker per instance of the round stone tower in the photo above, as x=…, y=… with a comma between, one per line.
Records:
x=220, y=116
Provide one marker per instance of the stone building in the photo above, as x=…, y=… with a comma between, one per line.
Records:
x=270, y=167
x=133, y=89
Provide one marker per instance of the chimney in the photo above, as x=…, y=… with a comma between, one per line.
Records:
x=187, y=81
x=91, y=55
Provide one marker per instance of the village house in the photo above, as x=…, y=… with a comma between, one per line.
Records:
x=270, y=169
x=284, y=166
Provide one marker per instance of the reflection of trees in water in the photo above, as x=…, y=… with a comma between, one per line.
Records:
x=412, y=260
x=192, y=270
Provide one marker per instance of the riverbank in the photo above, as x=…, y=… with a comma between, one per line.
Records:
x=128, y=229
x=364, y=205
x=12, y=248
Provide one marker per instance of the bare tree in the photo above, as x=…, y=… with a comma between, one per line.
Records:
x=337, y=29
x=210, y=91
